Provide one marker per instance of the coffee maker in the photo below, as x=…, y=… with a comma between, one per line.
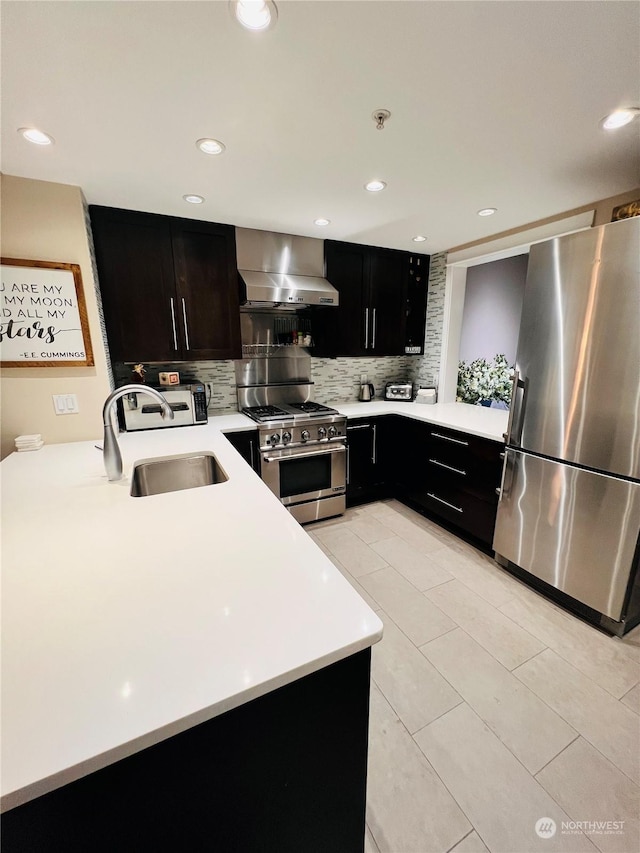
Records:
x=367, y=390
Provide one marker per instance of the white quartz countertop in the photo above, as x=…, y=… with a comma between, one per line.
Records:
x=128, y=620
x=476, y=420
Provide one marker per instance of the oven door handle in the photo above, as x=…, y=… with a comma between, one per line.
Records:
x=325, y=449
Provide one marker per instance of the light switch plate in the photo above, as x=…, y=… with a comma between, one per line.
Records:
x=65, y=404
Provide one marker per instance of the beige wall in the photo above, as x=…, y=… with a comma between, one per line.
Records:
x=45, y=221
x=602, y=214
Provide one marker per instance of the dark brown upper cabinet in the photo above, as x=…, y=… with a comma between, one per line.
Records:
x=169, y=286
x=382, y=302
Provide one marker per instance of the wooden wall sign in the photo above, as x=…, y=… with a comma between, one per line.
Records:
x=43, y=320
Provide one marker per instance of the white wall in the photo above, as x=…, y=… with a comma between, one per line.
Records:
x=492, y=309
x=45, y=221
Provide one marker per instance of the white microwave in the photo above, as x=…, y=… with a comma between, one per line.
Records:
x=139, y=411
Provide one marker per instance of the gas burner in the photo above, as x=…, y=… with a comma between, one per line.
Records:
x=267, y=413
x=311, y=409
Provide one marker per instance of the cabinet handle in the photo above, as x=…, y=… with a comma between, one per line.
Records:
x=446, y=503
x=366, y=328
x=448, y=438
x=448, y=467
x=348, y=471
x=374, y=455
x=251, y=454
x=173, y=324
x=358, y=426
x=373, y=333
x=186, y=327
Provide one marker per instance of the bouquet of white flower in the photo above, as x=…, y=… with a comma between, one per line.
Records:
x=485, y=380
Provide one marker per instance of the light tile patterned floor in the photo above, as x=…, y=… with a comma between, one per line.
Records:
x=490, y=707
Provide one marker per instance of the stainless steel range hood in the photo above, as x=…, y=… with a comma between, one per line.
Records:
x=278, y=270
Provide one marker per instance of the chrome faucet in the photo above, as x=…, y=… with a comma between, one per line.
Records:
x=110, y=448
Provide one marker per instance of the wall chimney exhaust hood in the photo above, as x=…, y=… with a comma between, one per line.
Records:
x=278, y=270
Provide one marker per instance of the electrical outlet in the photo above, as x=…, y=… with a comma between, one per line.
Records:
x=65, y=404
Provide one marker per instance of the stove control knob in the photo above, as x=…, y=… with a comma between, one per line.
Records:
x=321, y=432
x=286, y=437
x=275, y=438
x=332, y=431
x=305, y=435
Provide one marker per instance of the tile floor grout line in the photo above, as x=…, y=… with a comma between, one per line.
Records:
x=580, y=734
x=577, y=737
x=579, y=671
x=532, y=775
x=559, y=653
x=444, y=784
x=487, y=724
x=627, y=693
x=633, y=782
x=448, y=631
x=461, y=840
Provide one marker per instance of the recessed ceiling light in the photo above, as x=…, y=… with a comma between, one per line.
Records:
x=418, y=238
x=487, y=211
x=210, y=146
x=618, y=118
x=375, y=186
x=254, y=14
x=193, y=199
x=38, y=137
x=321, y=221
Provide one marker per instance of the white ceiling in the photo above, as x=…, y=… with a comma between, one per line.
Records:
x=494, y=104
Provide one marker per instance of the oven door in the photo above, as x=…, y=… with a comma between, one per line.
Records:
x=301, y=474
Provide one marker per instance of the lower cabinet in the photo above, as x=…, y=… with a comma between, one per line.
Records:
x=283, y=773
x=246, y=443
x=365, y=471
x=449, y=475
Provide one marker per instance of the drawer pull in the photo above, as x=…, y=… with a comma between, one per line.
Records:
x=446, y=503
x=448, y=438
x=358, y=426
x=448, y=467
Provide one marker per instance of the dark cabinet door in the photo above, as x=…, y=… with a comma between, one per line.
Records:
x=383, y=297
x=387, y=286
x=344, y=330
x=206, y=289
x=365, y=471
x=246, y=443
x=416, y=303
x=135, y=265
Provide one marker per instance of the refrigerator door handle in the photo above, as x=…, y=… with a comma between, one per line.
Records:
x=514, y=426
x=505, y=485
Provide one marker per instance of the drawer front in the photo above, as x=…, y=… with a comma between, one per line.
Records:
x=472, y=462
x=476, y=516
x=476, y=481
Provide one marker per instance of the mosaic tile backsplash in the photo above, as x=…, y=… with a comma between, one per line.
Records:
x=337, y=380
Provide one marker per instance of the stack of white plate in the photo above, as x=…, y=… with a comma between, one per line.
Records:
x=29, y=442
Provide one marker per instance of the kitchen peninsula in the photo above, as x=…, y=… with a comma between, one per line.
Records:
x=181, y=671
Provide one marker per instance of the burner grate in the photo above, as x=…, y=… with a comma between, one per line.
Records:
x=266, y=412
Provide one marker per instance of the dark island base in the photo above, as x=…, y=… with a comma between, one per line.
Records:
x=285, y=773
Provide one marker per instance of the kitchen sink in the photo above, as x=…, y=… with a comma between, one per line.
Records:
x=175, y=473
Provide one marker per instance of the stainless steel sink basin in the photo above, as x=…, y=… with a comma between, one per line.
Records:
x=175, y=473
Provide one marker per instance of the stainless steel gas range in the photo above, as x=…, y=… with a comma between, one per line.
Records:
x=302, y=443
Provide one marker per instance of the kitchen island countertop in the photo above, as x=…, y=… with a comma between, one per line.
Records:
x=129, y=620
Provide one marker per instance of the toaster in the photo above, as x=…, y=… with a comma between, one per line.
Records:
x=398, y=391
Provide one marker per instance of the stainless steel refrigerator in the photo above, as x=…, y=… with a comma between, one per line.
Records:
x=569, y=509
